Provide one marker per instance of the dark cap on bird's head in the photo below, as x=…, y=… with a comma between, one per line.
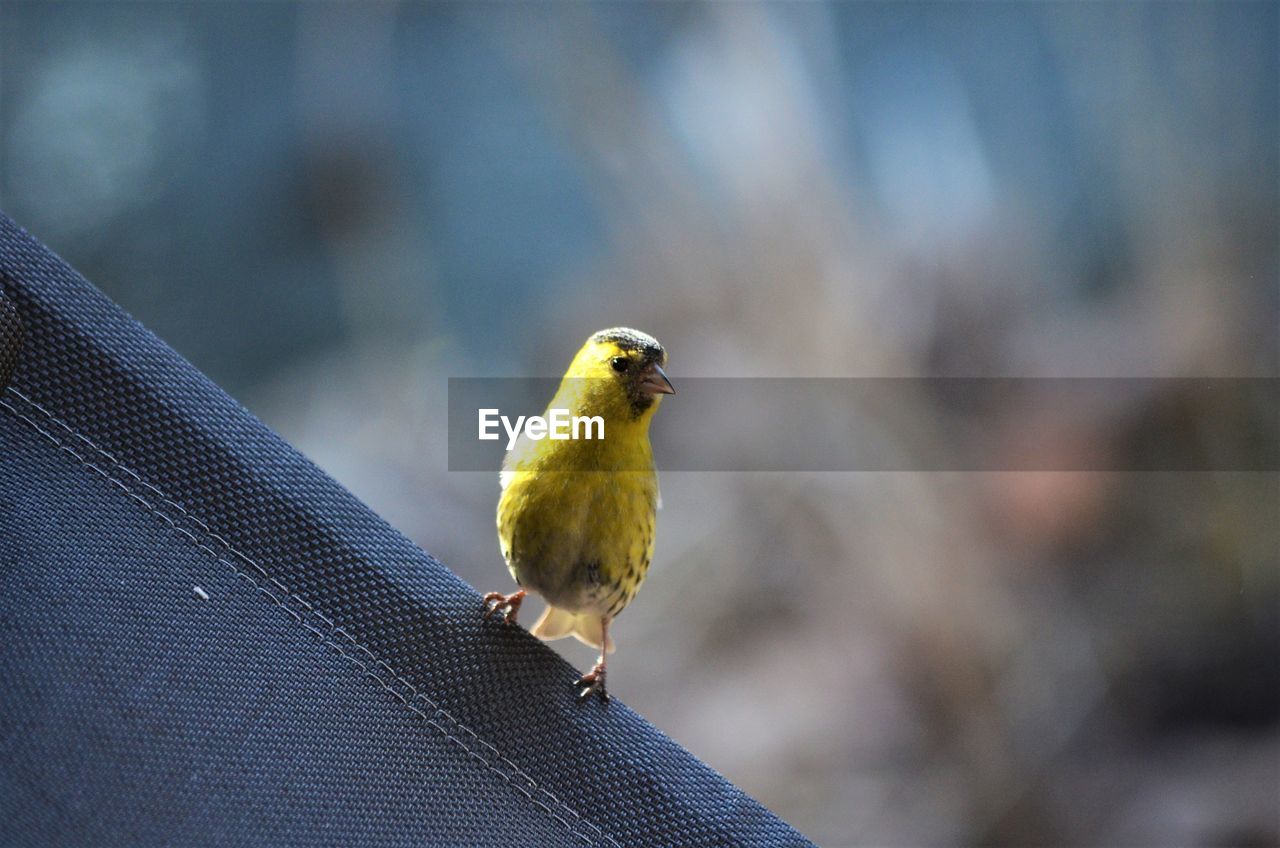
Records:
x=635, y=341
x=637, y=359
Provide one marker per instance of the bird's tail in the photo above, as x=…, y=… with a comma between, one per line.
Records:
x=557, y=624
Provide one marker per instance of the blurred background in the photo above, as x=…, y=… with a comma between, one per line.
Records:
x=332, y=208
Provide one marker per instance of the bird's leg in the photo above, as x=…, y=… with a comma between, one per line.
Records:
x=503, y=606
x=593, y=681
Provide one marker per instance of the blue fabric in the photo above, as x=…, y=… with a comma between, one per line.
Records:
x=205, y=640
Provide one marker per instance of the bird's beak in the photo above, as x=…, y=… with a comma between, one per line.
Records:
x=653, y=381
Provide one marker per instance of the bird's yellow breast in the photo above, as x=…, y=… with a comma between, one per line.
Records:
x=581, y=539
x=576, y=519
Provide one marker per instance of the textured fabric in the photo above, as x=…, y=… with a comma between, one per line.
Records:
x=10, y=340
x=205, y=640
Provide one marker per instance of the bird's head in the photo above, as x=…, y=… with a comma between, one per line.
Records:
x=618, y=374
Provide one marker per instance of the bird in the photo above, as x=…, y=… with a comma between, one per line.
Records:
x=576, y=517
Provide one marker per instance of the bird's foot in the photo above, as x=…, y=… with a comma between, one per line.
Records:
x=593, y=682
x=503, y=606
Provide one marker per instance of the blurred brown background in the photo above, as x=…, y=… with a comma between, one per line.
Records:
x=332, y=208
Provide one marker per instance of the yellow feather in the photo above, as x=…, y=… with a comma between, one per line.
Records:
x=576, y=517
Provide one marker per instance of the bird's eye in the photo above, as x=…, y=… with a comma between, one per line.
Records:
x=619, y=363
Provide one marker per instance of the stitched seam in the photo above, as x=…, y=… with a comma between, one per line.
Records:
x=281, y=596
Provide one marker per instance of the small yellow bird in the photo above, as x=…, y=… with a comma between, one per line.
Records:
x=576, y=516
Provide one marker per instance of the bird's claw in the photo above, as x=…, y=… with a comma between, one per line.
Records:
x=592, y=683
x=503, y=606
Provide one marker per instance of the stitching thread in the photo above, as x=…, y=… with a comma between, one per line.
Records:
x=512, y=775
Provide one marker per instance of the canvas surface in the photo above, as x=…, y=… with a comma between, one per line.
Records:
x=206, y=640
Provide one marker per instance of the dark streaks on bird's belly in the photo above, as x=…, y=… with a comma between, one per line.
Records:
x=574, y=565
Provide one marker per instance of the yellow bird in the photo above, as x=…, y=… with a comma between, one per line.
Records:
x=576, y=516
